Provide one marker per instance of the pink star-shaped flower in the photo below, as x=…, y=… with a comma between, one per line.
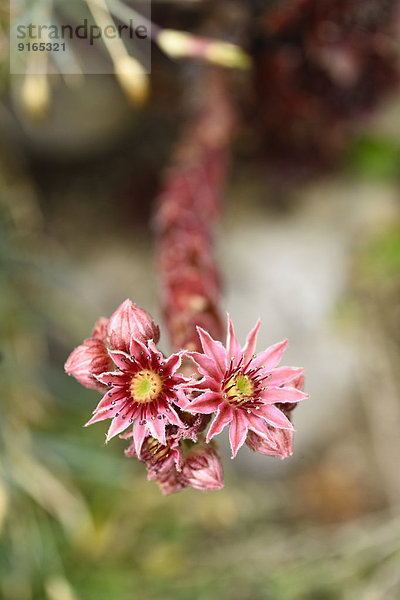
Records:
x=142, y=391
x=242, y=388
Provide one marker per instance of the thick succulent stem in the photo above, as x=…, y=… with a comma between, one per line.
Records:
x=188, y=210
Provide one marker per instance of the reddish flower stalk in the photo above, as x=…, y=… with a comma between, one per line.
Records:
x=188, y=209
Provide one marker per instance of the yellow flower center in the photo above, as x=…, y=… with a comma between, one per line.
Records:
x=238, y=389
x=145, y=386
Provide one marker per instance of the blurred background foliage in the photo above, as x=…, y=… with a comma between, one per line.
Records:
x=79, y=521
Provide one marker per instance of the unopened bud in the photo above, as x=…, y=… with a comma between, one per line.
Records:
x=279, y=444
x=130, y=321
x=87, y=360
x=170, y=482
x=100, y=329
x=202, y=470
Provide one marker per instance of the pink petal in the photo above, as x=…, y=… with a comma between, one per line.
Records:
x=259, y=426
x=206, y=366
x=138, y=350
x=102, y=416
x=110, y=413
x=115, y=378
x=118, y=425
x=121, y=359
x=171, y=416
x=139, y=434
x=274, y=416
x=179, y=378
x=154, y=349
x=271, y=356
x=204, y=384
x=205, y=404
x=282, y=394
x=233, y=349
x=224, y=416
x=238, y=431
x=249, y=348
x=157, y=429
x=283, y=375
x=111, y=399
x=213, y=349
x=181, y=399
x=173, y=363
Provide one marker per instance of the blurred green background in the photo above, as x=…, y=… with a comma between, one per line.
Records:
x=318, y=259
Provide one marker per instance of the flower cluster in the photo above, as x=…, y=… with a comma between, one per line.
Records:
x=165, y=414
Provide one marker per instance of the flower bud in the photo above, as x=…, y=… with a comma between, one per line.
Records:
x=100, y=329
x=202, y=470
x=170, y=482
x=89, y=359
x=279, y=444
x=130, y=321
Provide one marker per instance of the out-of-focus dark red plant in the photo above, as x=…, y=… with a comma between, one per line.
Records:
x=319, y=68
